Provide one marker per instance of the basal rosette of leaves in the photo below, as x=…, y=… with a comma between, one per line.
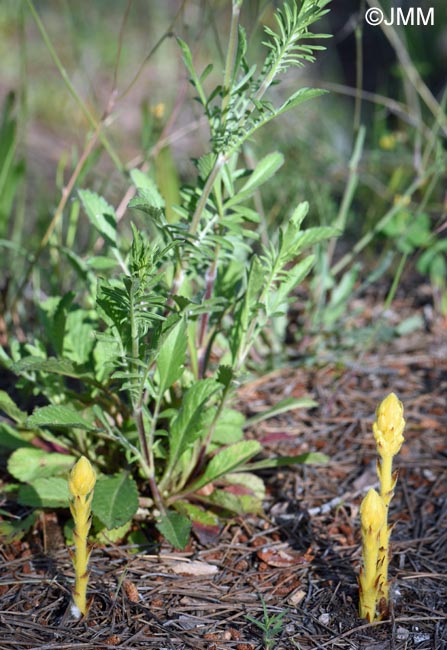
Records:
x=140, y=364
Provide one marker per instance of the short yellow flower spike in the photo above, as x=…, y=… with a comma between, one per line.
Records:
x=373, y=518
x=81, y=483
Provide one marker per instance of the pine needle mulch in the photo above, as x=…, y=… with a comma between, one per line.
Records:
x=299, y=561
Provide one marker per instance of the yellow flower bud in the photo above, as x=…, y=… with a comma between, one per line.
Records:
x=389, y=425
x=388, y=141
x=82, y=478
x=372, y=513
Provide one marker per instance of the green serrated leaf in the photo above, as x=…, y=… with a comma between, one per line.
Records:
x=301, y=95
x=296, y=275
x=234, y=503
x=187, y=59
x=225, y=375
x=249, y=304
x=147, y=189
x=196, y=514
x=114, y=535
x=288, y=404
x=101, y=263
x=228, y=428
x=313, y=236
x=264, y=170
x=249, y=481
x=205, y=165
x=226, y=461
x=186, y=426
x=11, y=439
x=115, y=499
x=140, y=203
x=299, y=214
x=175, y=527
x=52, y=365
x=54, y=314
x=57, y=415
x=171, y=357
x=27, y=464
x=79, y=337
x=310, y=458
x=45, y=493
x=102, y=216
x=11, y=409
x=168, y=181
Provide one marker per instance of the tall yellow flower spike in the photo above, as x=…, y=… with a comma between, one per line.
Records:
x=373, y=519
x=388, y=433
x=374, y=587
x=81, y=482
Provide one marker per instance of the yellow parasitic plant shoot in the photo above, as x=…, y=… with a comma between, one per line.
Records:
x=81, y=482
x=373, y=519
x=388, y=433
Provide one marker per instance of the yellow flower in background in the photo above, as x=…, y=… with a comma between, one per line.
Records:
x=403, y=201
x=388, y=141
x=158, y=110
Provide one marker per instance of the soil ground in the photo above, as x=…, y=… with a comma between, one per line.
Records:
x=300, y=559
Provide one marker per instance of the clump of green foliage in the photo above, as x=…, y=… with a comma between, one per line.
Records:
x=139, y=375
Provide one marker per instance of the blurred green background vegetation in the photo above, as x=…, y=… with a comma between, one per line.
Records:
x=124, y=56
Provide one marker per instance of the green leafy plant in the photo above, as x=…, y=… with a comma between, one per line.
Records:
x=140, y=372
x=271, y=625
x=413, y=234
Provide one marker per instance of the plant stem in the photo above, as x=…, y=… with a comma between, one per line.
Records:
x=250, y=336
x=148, y=464
x=231, y=55
x=146, y=448
x=410, y=70
x=204, y=319
x=359, y=71
x=211, y=273
x=201, y=203
x=387, y=483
